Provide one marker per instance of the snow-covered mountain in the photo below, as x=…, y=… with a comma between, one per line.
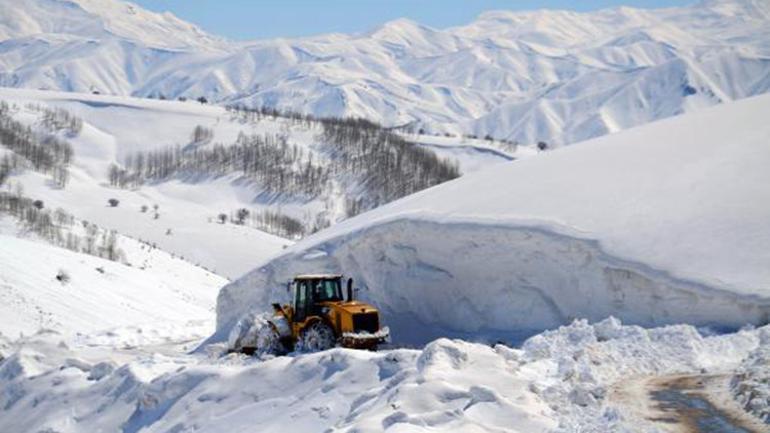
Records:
x=663, y=223
x=551, y=76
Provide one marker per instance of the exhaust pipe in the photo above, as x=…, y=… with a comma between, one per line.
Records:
x=350, y=289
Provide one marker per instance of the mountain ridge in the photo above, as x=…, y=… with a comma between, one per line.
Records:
x=546, y=75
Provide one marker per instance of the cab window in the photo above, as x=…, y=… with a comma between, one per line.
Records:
x=300, y=300
x=327, y=290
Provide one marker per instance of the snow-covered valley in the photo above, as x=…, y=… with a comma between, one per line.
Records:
x=189, y=204
x=619, y=284
x=97, y=294
x=490, y=268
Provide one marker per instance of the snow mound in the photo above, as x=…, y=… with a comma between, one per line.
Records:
x=558, y=381
x=585, y=363
x=664, y=223
x=751, y=384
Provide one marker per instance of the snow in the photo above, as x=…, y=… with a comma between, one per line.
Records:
x=664, y=223
x=557, y=381
x=751, y=383
x=102, y=19
x=100, y=294
x=514, y=295
x=115, y=127
x=471, y=154
x=554, y=76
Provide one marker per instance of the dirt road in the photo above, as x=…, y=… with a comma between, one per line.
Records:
x=684, y=404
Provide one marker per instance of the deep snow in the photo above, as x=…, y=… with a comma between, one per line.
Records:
x=555, y=76
x=750, y=384
x=115, y=127
x=155, y=288
x=664, y=223
x=557, y=382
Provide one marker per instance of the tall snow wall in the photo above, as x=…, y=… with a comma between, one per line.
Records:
x=665, y=223
x=469, y=280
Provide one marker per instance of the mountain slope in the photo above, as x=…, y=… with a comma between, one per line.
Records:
x=97, y=294
x=177, y=216
x=552, y=76
x=191, y=200
x=663, y=223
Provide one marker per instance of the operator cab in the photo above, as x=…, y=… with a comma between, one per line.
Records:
x=310, y=290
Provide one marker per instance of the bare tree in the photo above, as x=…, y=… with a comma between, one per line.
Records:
x=242, y=214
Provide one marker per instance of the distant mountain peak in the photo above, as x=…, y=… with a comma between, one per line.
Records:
x=99, y=19
x=753, y=9
x=401, y=27
x=544, y=75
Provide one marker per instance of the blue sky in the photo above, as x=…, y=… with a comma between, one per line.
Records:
x=253, y=19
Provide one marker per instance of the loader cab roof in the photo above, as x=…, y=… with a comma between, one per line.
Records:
x=317, y=277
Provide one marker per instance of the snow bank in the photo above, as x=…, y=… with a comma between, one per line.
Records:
x=751, y=383
x=585, y=362
x=442, y=387
x=558, y=381
x=665, y=223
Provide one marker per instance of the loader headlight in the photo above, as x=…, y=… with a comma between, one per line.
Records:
x=325, y=310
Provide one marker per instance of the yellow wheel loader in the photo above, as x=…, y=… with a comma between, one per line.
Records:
x=319, y=318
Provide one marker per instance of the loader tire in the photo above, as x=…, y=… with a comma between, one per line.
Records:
x=315, y=338
x=268, y=342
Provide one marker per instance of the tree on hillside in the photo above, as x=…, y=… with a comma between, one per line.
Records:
x=201, y=134
x=242, y=214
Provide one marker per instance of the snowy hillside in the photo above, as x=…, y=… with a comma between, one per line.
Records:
x=115, y=127
x=552, y=76
x=190, y=200
x=46, y=287
x=664, y=223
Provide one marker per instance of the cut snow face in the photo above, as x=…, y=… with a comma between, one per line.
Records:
x=664, y=223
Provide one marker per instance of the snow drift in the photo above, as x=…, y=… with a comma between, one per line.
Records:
x=560, y=380
x=664, y=223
